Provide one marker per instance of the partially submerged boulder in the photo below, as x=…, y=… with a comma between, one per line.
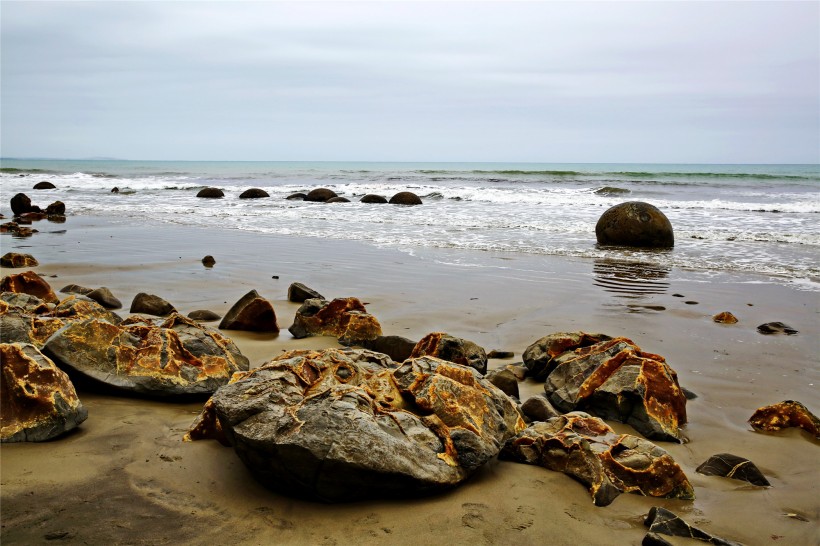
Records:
x=785, y=414
x=342, y=425
x=29, y=282
x=37, y=400
x=57, y=208
x=44, y=185
x=254, y=193
x=298, y=293
x=150, y=304
x=210, y=193
x=454, y=349
x=344, y=318
x=635, y=223
x=587, y=449
x=149, y=356
x=662, y=521
x=251, y=313
x=405, y=198
x=539, y=357
x=616, y=380
x=20, y=204
x=319, y=195
x=734, y=467
x=373, y=198
x=15, y=259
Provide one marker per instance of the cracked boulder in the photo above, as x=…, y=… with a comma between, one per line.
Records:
x=342, y=425
x=663, y=522
x=454, y=349
x=539, y=358
x=616, y=380
x=37, y=400
x=587, y=449
x=148, y=356
x=343, y=318
x=734, y=467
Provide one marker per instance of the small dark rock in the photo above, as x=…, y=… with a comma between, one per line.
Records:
x=208, y=261
x=44, y=185
x=732, y=466
x=373, y=198
x=211, y=193
x=104, y=297
x=654, y=539
x=320, y=195
x=299, y=196
x=203, y=315
x=253, y=193
x=725, y=318
x=505, y=381
x=298, y=293
x=251, y=313
x=500, y=354
x=115, y=190
x=150, y=304
x=398, y=348
x=776, y=328
x=538, y=408
x=75, y=289
x=57, y=208
x=662, y=521
x=405, y=198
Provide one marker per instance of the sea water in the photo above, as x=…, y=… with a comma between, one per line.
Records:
x=751, y=219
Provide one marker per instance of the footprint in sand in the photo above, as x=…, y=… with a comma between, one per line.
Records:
x=522, y=519
x=473, y=514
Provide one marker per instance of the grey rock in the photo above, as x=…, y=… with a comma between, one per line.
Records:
x=104, y=297
x=538, y=408
x=204, y=315
x=298, y=293
x=150, y=304
x=398, y=348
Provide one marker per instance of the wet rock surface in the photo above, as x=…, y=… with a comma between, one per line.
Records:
x=75, y=289
x=770, y=328
x=210, y=193
x=405, y=198
x=373, y=198
x=539, y=357
x=253, y=193
x=342, y=425
x=105, y=297
x=725, y=318
x=20, y=204
x=15, y=259
x=663, y=522
x=204, y=315
x=734, y=467
x=37, y=399
x=454, y=349
x=319, y=195
x=44, y=185
x=299, y=293
x=151, y=305
x=635, y=223
x=251, y=313
x=398, y=348
x=587, y=449
x=344, y=318
x=29, y=282
x=149, y=356
x=786, y=414
x=616, y=380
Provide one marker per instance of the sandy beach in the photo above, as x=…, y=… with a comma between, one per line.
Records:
x=126, y=477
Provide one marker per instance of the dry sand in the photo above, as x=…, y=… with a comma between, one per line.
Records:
x=125, y=477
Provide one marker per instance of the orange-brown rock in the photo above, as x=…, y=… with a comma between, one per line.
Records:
x=344, y=318
x=587, y=449
x=16, y=230
x=251, y=313
x=29, y=282
x=539, y=357
x=635, y=223
x=786, y=414
x=37, y=400
x=151, y=356
x=616, y=380
x=340, y=425
x=725, y=318
x=453, y=349
x=14, y=259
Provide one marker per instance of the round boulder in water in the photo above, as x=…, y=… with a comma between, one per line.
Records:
x=338, y=200
x=405, y=198
x=320, y=195
x=635, y=223
x=373, y=198
x=253, y=193
x=44, y=185
x=212, y=193
x=20, y=204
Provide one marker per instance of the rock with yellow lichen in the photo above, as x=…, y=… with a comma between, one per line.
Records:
x=29, y=282
x=587, y=449
x=451, y=348
x=37, y=399
x=785, y=414
x=616, y=380
x=342, y=424
x=344, y=318
x=151, y=356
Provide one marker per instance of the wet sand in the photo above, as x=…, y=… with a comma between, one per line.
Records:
x=125, y=477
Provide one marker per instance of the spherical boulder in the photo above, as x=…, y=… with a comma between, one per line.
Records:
x=253, y=193
x=405, y=198
x=320, y=195
x=338, y=199
x=635, y=223
x=44, y=185
x=373, y=198
x=212, y=193
x=20, y=204
x=298, y=196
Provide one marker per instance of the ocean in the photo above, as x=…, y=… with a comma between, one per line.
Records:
x=760, y=220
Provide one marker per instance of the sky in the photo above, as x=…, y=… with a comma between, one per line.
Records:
x=653, y=82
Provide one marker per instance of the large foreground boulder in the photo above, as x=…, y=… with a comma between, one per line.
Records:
x=616, y=380
x=37, y=400
x=785, y=414
x=344, y=318
x=454, y=349
x=155, y=357
x=29, y=282
x=635, y=223
x=342, y=425
x=587, y=449
x=539, y=357
x=251, y=313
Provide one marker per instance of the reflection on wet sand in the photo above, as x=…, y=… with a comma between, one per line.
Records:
x=632, y=280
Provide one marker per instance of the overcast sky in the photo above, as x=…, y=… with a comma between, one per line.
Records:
x=696, y=82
